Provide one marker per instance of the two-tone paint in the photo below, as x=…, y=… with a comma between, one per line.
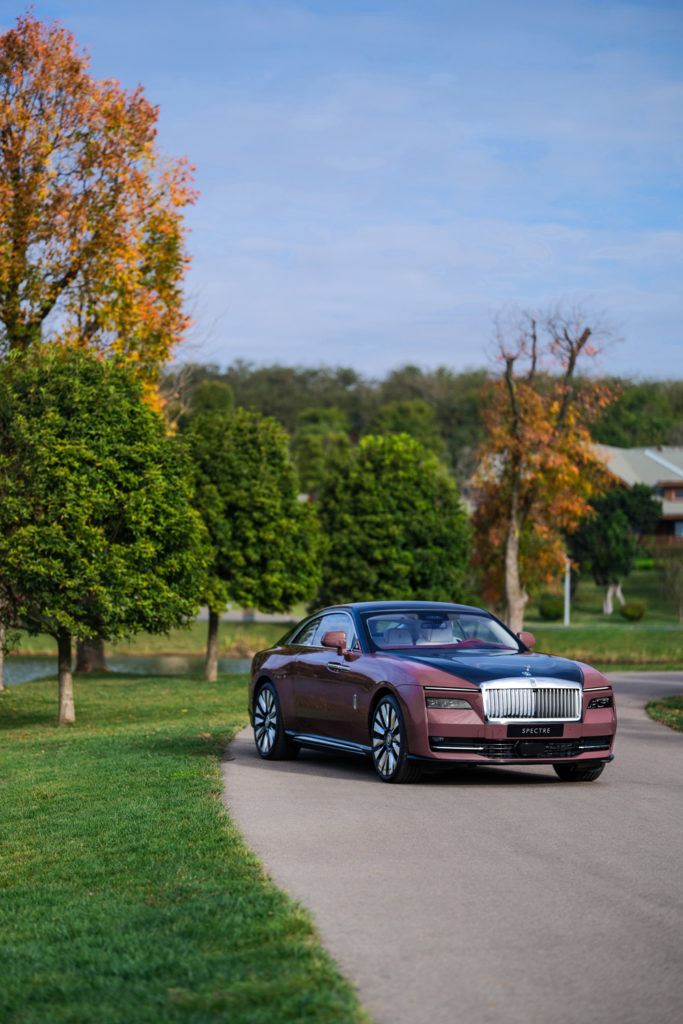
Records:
x=327, y=697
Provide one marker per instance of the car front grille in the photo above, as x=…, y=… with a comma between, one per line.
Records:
x=532, y=700
x=519, y=749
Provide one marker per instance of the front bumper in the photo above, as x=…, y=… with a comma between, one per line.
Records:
x=510, y=750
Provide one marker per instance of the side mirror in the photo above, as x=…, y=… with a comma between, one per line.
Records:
x=528, y=639
x=335, y=638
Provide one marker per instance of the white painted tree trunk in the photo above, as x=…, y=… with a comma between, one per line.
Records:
x=211, y=663
x=67, y=713
x=613, y=590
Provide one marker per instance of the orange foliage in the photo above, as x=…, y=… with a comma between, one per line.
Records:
x=92, y=247
x=538, y=471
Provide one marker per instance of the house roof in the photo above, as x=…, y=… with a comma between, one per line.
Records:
x=657, y=466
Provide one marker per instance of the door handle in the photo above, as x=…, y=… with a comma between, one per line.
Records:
x=336, y=666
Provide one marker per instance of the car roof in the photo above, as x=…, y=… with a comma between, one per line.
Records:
x=398, y=606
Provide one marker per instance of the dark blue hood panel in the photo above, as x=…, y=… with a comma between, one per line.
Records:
x=478, y=667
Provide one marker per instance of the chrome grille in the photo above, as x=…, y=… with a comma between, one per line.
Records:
x=532, y=700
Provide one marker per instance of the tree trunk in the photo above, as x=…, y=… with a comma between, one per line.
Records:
x=2, y=655
x=613, y=590
x=67, y=713
x=515, y=593
x=90, y=656
x=211, y=664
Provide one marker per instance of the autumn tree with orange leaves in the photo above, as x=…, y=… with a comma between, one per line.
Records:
x=92, y=247
x=538, y=471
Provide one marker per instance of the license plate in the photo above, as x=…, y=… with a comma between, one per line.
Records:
x=532, y=731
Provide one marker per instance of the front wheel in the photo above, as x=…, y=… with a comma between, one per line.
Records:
x=579, y=772
x=389, y=746
x=270, y=738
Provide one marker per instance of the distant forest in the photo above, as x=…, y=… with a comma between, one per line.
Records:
x=439, y=407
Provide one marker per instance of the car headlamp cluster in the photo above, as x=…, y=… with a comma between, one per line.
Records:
x=448, y=703
x=599, y=702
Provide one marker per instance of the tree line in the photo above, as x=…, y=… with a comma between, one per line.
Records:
x=441, y=408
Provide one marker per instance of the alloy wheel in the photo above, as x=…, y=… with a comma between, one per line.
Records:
x=386, y=739
x=265, y=720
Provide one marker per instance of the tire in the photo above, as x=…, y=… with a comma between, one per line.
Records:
x=269, y=733
x=579, y=772
x=389, y=746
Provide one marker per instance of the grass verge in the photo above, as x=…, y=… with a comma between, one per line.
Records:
x=615, y=645
x=668, y=710
x=236, y=639
x=127, y=893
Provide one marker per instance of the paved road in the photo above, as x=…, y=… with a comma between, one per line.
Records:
x=494, y=895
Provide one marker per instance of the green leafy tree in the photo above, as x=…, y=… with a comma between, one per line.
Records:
x=320, y=433
x=670, y=564
x=644, y=413
x=98, y=537
x=607, y=540
x=264, y=539
x=411, y=416
x=393, y=523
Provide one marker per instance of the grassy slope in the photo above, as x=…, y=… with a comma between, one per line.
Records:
x=668, y=710
x=127, y=893
x=239, y=639
x=610, y=642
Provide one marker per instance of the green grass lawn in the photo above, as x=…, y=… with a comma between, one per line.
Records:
x=236, y=639
x=611, y=642
x=620, y=645
x=668, y=710
x=127, y=893
x=641, y=585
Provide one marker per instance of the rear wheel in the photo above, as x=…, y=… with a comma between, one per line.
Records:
x=269, y=733
x=579, y=772
x=389, y=746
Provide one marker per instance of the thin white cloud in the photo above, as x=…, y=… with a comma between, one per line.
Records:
x=376, y=183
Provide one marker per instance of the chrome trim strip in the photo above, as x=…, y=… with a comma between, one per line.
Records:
x=454, y=749
x=324, y=741
x=455, y=689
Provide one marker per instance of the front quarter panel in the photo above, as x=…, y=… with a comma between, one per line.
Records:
x=275, y=665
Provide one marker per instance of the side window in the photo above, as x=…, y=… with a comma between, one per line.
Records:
x=306, y=633
x=336, y=620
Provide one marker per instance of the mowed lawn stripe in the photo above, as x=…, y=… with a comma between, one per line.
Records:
x=126, y=892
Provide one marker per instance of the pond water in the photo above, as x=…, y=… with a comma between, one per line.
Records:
x=25, y=667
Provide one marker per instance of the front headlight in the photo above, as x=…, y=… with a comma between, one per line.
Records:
x=447, y=703
x=599, y=702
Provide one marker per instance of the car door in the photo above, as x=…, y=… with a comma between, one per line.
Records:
x=331, y=689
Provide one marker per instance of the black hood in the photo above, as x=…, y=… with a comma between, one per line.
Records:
x=478, y=667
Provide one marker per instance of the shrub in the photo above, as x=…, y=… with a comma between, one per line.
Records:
x=551, y=607
x=633, y=610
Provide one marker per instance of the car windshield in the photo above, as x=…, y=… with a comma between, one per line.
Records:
x=419, y=628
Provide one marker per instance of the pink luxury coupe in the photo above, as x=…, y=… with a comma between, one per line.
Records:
x=414, y=684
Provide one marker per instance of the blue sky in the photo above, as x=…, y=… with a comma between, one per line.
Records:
x=378, y=179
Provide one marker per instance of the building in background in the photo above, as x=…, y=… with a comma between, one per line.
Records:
x=658, y=467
